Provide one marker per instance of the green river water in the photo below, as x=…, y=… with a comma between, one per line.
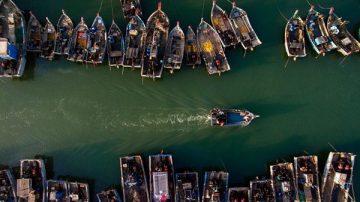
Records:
x=86, y=117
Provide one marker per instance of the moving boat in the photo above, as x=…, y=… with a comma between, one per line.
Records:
x=7, y=186
x=187, y=187
x=307, y=178
x=337, y=177
x=134, y=42
x=174, y=51
x=317, y=32
x=131, y=8
x=12, y=40
x=215, y=186
x=157, y=29
x=96, y=45
x=222, y=24
x=48, y=40
x=32, y=183
x=239, y=194
x=284, y=182
x=34, y=29
x=192, y=49
x=115, y=46
x=133, y=179
x=78, y=43
x=64, y=28
x=262, y=190
x=231, y=117
x=294, y=37
x=243, y=29
x=211, y=49
x=78, y=192
x=161, y=170
x=57, y=191
x=346, y=43
x=110, y=195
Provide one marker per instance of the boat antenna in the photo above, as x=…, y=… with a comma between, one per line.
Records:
x=112, y=10
x=203, y=7
x=306, y=152
x=102, y=1
x=309, y=3
x=322, y=7
x=343, y=60
x=332, y=147
x=245, y=53
x=286, y=63
x=223, y=164
x=282, y=15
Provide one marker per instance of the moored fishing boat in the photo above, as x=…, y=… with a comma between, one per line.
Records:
x=78, y=43
x=294, y=37
x=96, y=45
x=12, y=40
x=133, y=179
x=307, y=178
x=262, y=190
x=239, y=194
x=7, y=186
x=317, y=32
x=34, y=29
x=161, y=171
x=157, y=30
x=211, y=49
x=131, y=8
x=78, y=192
x=222, y=24
x=32, y=183
x=284, y=182
x=243, y=29
x=337, y=177
x=115, y=46
x=64, y=31
x=346, y=43
x=192, y=49
x=215, y=186
x=110, y=195
x=187, y=187
x=134, y=42
x=57, y=191
x=231, y=117
x=174, y=51
x=48, y=40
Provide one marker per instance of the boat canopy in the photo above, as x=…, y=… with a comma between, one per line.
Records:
x=7, y=51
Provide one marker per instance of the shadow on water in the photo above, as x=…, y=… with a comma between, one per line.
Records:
x=29, y=73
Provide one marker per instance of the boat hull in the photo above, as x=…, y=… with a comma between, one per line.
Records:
x=284, y=182
x=215, y=186
x=115, y=46
x=192, y=50
x=8, y=186
x=48, y=41
x=65, y=28
x=174, y=51
x=57, y=191
x=262, y=190
x=237, y=194
x=187, y=187
x=78, y=192
x=294, y=37
x=131, y=8
x=231, y=117
x=96, y=45
x=79, y=41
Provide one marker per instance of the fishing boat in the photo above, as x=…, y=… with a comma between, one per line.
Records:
x=284, y=182
x=192, y=50
x=337, y=177
x=131, y=8
x=134, y=42
x=78, y=192
x=243, y=29
x=222, y=24
x=211, y=49
x=7, y=186
x=78, y=43
x=262, y=190
x=133, y=179
x=157, y=29
x=32, y=183
x=215, y=186
x=239, y=194
x=231, y=117
x=161, y=171
x=57, y=191
x=110, y=195
x=48, y=40
x=115, y=46
x=174, y=51
x=317, y=32
x=12, y=40
x=307, y=178
x=346, y=43
x=34, y=30
x=294, y=37
x=187, y=187
x=64, y=31
x=97, y=40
